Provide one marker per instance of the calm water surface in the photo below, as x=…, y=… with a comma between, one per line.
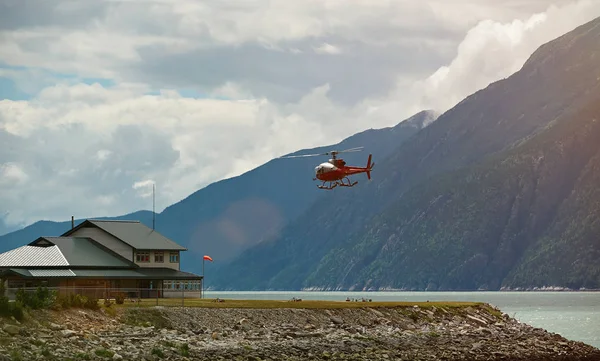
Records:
x=574, y=315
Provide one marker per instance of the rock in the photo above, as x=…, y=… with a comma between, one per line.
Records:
x=55, y=327
x=336, y=320
x=11, y=329
x=478, y=320
x=376, y=312
x=68, y=333
x=298, y=334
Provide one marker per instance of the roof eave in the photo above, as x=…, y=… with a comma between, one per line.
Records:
x=161, y=249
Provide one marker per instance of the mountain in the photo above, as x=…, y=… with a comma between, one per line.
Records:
x=231, y=215
x=228, y=216
x=5, y=228
x=450, y=208
x=527, y=217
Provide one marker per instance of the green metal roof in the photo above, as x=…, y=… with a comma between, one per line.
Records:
x=80, y=251
x=148, y=273
x=134, y=233
x=63, y=252
x=139, y=273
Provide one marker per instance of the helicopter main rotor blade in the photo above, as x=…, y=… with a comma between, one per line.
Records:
x=333, y=152
x=303, y=155
x=357, y=149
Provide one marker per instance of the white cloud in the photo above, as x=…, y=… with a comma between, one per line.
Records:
x=327, y=48
x=103, y=154
x=12, y=174
x=108, y=145
x=492, y=51
x=145, y=188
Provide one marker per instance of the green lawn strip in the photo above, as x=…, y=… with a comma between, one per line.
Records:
x=312, y=304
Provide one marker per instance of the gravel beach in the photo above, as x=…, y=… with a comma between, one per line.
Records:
x=170, y=333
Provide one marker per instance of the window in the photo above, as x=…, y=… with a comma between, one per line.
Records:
x=142, y=257
x=159, y=257
x=174, y=257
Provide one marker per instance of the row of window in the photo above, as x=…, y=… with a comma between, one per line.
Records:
x=182, y=285
x=159, y=257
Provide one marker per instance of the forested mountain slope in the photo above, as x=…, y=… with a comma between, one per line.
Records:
x=527, y=217
x=553, y=87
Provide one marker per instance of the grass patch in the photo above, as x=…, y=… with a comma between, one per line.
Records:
x=310, y=304
x=147, y=317
x=102, y=352
x=184, y=350
x=493, y=311
x=158, y=352
x=82, y=356
x=110, y=310
x=15, y=355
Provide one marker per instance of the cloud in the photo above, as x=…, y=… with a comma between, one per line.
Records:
x=328, y=49
x=12, y=174
x=96, y=148
x=145, y=188
x=492, y=51
x=192, y=93
x=202, y=46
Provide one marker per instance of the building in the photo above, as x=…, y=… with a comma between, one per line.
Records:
x=100, y=256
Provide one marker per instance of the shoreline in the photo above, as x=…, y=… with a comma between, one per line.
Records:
x=316, y=290
x=287, y=330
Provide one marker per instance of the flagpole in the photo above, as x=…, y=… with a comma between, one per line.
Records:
x=202, y=277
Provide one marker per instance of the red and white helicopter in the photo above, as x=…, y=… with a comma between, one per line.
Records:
x=335, y=171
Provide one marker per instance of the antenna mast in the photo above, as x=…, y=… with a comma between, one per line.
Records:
x=153, y=206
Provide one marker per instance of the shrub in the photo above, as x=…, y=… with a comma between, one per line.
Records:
x=120, y=298
x=41, y=298
x=17, y=311
x=91, y=303
x=5, y=309
x=62, y=301
x=77, y=300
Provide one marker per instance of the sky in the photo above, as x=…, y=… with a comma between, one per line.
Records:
x=102, y=99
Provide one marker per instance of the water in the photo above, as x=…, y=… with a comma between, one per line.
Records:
x=573, y=315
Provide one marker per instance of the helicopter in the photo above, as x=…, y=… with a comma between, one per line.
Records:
x=335, y=172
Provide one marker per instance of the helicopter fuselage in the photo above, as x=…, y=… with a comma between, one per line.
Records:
x=328, y=172
x=335, y=169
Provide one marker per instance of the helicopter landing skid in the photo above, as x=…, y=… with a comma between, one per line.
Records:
x=337, y=183
x=330, y=187
x=349, y=184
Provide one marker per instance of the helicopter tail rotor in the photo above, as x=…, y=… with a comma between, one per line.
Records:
x=369, y=166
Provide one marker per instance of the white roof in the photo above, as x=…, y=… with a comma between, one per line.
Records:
x=52, y=273
x=33, y=256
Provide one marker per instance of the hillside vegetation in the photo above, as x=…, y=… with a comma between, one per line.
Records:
x=528, y=216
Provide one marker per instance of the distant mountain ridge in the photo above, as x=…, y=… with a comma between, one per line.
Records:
x=54, y=229
x=421, y=223
x=230, y=215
